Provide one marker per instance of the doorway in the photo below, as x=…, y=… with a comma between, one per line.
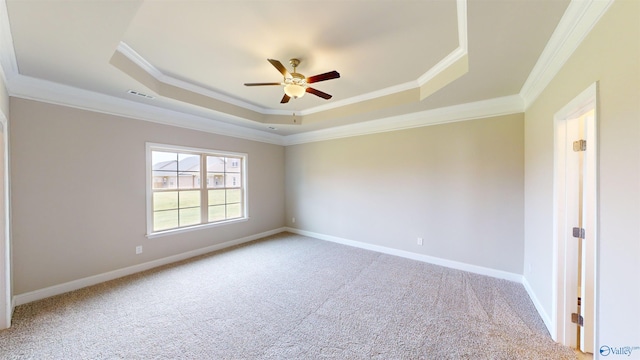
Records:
x=575, y=221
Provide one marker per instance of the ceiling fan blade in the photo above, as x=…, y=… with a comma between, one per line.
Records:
x=322, y=77
x=278, y=65
x=262, y=84
x=323, y=95
x=285, y=99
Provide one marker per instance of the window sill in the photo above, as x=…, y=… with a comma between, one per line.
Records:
x=158, y=234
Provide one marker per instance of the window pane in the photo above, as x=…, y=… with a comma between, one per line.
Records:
x=233, y=180
x=189, y=199
x=189, y=180
x=163, y=160
x=234, y=165
x=165, y=200
x=188, y=171
x=215, y=180
x=163, y=220
x=216, y=197
x=190, y=216
x=216, y=213
x=234, y=196
x=164, y=180
x=188, y=162
x=164, y=169
x=234, y=211
x=215, y=164
x=172, y=182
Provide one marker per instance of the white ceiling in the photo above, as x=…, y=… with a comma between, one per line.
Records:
x=194, y=56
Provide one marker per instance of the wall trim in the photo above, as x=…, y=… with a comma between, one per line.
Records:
x=564, y=273
x=6, y=305
x=29, y=88
x=461, y=51
x=159, y=76
x=54, y=290
x=58, y=94
x=578, y=20
x=111, y=275
x=449, y=60
x=574, y=26
x=222, y=123
x=470, y=111
x=8, y=65
x=8, y=62
x=538, y=304
x=499, y=274
x=442, y=262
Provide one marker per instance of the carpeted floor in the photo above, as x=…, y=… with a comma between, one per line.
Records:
x=287, y=297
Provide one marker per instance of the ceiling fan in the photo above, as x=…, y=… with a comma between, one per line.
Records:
x=295, y=84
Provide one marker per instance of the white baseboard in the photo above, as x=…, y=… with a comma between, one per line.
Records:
x=442, y=262
x=100, y=278
x=543, y=314
x=96, y=279
x=414, y=256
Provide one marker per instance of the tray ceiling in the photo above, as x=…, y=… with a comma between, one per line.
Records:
x=193, y=57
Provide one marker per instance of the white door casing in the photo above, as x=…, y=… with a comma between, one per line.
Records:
x=575, y=121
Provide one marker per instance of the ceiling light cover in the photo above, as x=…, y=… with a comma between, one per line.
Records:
x=295, y=91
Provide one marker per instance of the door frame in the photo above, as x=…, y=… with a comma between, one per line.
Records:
x=561, y=305
x=6, y=304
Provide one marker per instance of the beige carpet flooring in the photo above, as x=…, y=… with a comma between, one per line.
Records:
x=287, y=297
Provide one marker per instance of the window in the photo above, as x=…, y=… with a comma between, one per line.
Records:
x=177, y=198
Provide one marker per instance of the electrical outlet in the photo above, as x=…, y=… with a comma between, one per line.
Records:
x=138, y=249
x=420, y=241
x=293, y=220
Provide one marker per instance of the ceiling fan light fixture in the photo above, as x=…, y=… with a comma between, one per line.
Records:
x=295, y=85
x=294, y=91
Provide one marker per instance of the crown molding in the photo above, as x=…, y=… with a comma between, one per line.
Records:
x=578, y=20
x=476, y=110
x=451, y=59
x=441, y=66
x=457, y=54
x=8, y=63
x=49, y=92
x=53, y=93
x=145, y=65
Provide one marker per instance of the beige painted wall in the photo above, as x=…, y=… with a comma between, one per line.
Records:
x=458, y=185
x=78, y=192
x=610, y=54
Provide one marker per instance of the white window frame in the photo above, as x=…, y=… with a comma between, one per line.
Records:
x=203, y=187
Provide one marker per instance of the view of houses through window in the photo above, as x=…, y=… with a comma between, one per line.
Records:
x=181, y=198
